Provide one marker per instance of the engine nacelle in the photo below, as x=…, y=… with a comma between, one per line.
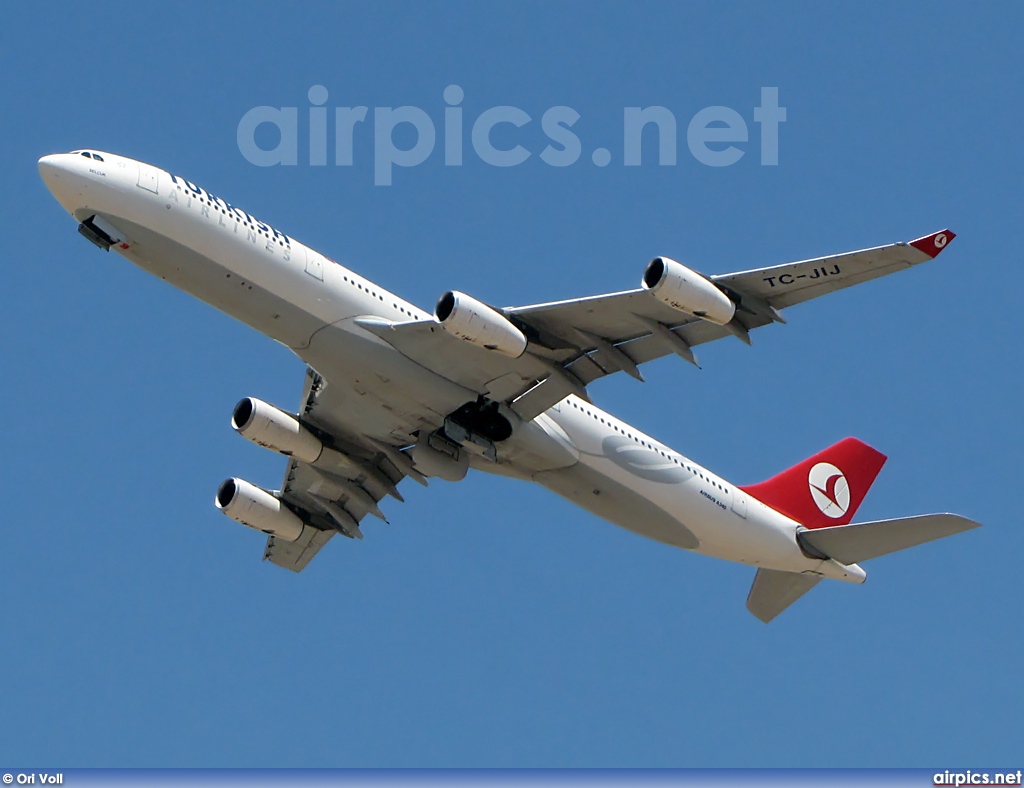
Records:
x=681, y=288
x=479, y=324
x=270, y=427
x=255, y=507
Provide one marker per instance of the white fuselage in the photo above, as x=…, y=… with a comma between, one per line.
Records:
x=222, y=255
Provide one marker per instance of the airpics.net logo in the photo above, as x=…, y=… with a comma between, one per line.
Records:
x=956, y=779
x=405, y=137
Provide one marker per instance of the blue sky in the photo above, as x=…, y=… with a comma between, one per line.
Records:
x=493, y=624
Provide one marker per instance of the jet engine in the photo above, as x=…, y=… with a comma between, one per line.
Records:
x=270, y=427
x=255, y=507
x=681, y=288
x=480, y=325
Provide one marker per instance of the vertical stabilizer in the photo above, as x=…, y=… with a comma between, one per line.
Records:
x=826, y=489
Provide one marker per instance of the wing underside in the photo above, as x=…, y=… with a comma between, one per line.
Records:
x=575, y=342
x=339, y=492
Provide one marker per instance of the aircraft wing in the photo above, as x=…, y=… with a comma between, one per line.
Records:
x=793, y=283
x=335, y=496
x=572, y=343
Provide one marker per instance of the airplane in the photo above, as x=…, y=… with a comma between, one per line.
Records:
x=392, y=391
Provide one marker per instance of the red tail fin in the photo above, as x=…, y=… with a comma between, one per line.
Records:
x=825, y=489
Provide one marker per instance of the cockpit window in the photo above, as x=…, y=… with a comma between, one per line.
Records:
x=97, y=157
x=87, y=154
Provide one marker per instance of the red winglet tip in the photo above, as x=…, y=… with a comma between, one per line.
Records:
x=932, y=244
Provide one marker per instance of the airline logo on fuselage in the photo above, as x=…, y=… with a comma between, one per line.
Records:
x=829, y=489
x=242, y=216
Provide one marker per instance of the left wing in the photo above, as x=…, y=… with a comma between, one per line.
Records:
x=345, y=486
x=572, y=343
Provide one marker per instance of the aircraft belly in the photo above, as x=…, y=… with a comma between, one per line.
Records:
x=385, y=394
x=214, y=246
x=719, y=531
x=635, y=476
x=211, y=282
x=374, y=378
x=538, y=445
x=617, y=503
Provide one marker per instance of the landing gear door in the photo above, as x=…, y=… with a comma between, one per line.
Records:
x=314, y=265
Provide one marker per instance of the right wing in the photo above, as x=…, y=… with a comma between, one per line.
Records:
x=572, y=343
x=793, y=283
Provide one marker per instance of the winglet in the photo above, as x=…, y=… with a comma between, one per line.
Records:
x=932, y=244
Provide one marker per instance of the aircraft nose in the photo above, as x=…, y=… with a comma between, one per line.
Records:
x=58, y=173
x=49, y=169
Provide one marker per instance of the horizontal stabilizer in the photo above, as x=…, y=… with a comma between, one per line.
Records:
x=849, y=544
x=773, y=591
